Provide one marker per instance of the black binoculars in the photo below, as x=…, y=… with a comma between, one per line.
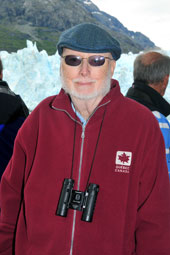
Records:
x=77, y=200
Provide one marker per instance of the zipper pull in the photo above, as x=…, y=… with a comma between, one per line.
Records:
x=83, y=132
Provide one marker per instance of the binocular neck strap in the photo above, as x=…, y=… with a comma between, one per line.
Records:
x=94, y=155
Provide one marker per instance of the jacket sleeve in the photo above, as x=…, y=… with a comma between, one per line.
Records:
x=165, y=128
x=7, y=137
x=10, y=199
x=14, y=180
x=24, y=111
x=153, y=216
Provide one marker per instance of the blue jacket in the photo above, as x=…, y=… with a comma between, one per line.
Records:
x=165, y=128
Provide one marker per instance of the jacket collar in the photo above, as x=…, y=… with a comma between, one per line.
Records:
x=157, y=100
x=4, y=84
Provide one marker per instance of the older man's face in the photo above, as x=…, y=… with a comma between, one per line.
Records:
x=85, y=81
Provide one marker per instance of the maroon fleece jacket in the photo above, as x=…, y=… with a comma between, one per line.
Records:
x=132, y=213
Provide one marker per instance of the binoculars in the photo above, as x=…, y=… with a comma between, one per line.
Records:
x=77, y=200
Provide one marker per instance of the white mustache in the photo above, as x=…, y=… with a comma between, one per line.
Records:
x=83, y=81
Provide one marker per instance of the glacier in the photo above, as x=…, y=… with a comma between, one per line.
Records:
x=34, y=74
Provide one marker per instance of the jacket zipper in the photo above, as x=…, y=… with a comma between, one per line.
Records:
x=80, y=165
x=78, y=186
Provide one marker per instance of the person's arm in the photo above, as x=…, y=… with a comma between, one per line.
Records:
x=10, y=199
x=7, y=137
x=24, y=111
x=165, y=128
x=153, y=216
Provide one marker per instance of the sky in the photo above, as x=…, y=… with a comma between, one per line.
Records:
x=150, y=17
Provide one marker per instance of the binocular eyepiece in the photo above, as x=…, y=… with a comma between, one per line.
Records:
x=65, y=196
x=77, y=200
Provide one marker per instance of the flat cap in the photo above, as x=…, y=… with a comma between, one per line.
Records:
x=88, y=37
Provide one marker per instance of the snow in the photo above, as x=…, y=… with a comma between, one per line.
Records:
x=87, y=2
x=32, y=74
x=98, y=13
x=35, y=75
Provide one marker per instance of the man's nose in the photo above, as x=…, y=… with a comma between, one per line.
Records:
x=84, y=67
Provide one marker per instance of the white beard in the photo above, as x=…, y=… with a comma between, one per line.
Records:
x=102, y=92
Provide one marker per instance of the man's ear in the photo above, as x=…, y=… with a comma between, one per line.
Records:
x=167, y=77
x=166, y=80
x=113, y=65
x=163, y=85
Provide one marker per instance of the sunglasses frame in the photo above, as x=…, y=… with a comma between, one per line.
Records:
x=88, y=59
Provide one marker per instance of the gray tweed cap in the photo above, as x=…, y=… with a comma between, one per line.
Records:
x=88, y=37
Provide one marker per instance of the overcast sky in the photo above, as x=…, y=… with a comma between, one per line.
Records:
x=150, y=17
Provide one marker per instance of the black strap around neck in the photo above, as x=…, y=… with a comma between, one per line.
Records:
x=94, y=155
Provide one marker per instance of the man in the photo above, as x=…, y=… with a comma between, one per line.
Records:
x=88, y=174
x=151, y=76
x=13, y=112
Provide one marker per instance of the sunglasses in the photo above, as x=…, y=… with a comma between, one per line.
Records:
x=95, y=60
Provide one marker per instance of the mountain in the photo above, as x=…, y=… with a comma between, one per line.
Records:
x=43, y=21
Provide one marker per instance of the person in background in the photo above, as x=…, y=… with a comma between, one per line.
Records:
x=88, y=174
x=151, y=76
x=13, y=112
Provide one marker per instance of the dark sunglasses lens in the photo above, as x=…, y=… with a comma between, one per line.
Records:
x=72, y=60
x=96, y=60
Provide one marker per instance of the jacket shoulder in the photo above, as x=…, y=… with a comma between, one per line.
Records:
x=137, y=114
